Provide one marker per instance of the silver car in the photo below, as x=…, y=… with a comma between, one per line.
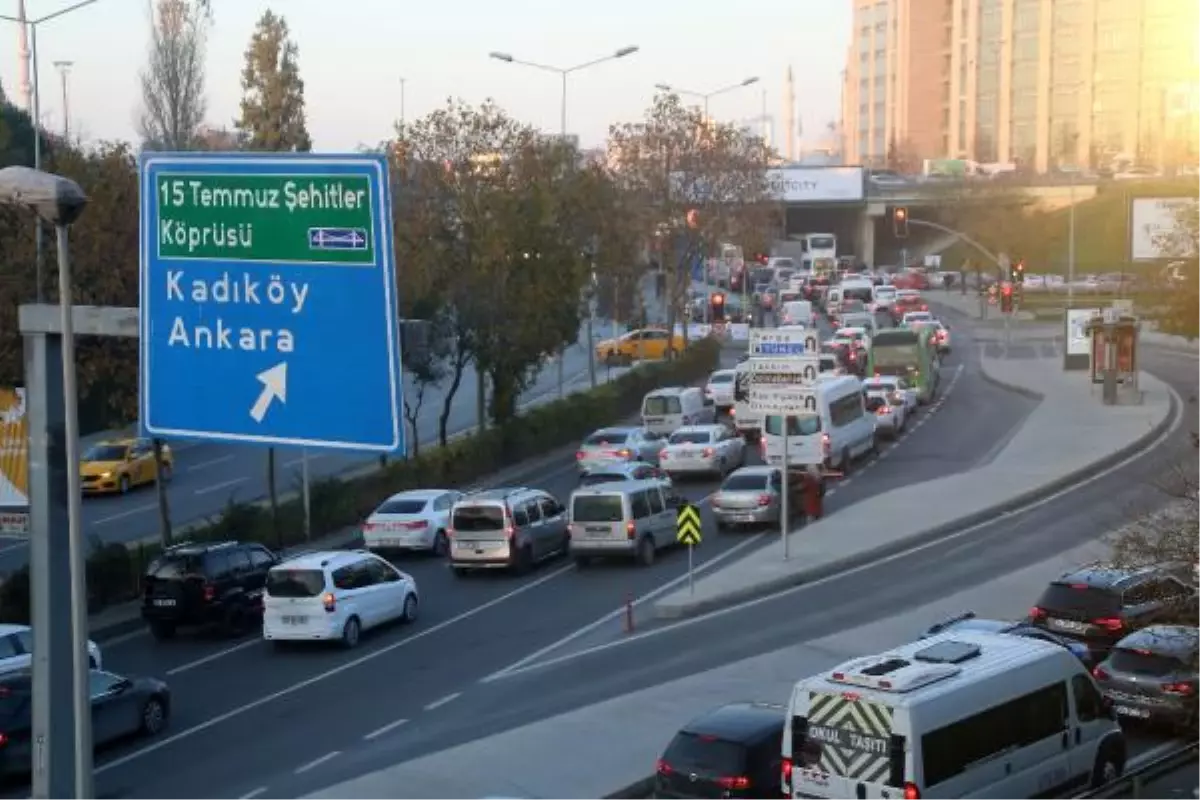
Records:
x=506, y=529
x=618, y=472
x=609, y=445
x=752, y=496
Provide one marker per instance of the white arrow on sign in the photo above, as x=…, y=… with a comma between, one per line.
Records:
x=274, y=381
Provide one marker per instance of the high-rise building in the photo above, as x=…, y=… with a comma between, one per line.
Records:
x=1042, y=83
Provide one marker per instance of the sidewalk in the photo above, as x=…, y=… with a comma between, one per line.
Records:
x=1068, y=437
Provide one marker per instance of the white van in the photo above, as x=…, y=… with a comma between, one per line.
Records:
x=882, y=297
x=858, y=289
x=797, y=312
x=962, y=714
x=841, y=430
x=666, y=410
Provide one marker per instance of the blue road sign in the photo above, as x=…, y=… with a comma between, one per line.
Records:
x=268, y=300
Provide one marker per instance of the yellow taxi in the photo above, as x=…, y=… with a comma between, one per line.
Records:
x=119, y=465
x=645, y=344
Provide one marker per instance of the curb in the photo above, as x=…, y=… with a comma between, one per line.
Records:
x=639, y=788
x=1006, y=506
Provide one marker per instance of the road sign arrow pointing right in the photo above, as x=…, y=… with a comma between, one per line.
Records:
x=274, y=381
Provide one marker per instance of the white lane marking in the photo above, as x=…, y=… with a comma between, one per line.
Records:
x=212, y=462
x=255, y=793
x=316, y=762
x=216, y=487
x=296, y=462
x=436, y=704
x=123, y=514
x=610, y=616
x=391, y=726
x=199, y=662
x=287, y=691
x=720, y=612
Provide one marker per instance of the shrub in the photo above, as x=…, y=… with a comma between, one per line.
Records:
x=115, y=570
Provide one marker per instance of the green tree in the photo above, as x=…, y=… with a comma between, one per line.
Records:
x=173, y=101
x=272, y=109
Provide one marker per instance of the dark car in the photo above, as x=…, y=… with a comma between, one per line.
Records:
x=120, y=707
x=730, y=751
x=218, y=584
x=1100, y=604
x=969, y=622
x=1151, y=676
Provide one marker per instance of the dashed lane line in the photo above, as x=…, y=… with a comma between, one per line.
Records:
x=391, y=726
x=316, y=762
x=216, y=487
x=450, y=698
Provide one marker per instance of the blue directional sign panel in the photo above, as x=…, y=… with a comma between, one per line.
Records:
x=268, y=300
x=783, y=342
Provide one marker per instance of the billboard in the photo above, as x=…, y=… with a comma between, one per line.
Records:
x=14, y=462
x=1154, y=232
x=817, y=184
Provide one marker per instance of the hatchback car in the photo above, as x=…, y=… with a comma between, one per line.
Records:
x=16, y=649
x=120, y=465
x=609, y=445
x=415, y=520
x=1100, y=604
x=1151, y=675
x=895, y=387
x=335, y=596
x=752, y=496
x=890, y=416
x=702, y=449
x=615, y=473
x=731, y=751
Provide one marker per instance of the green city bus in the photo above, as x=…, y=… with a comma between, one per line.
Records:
x=907, y=353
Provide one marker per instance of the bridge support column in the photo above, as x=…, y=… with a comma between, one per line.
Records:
x=864, y=245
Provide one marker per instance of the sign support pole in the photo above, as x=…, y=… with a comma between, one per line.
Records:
x=784, y=504
x=691, y=572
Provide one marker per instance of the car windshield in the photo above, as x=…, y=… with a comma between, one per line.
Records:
x=688, y=750
x=597, y=508
x=690, y=437
x=403, y=505
x=798, y=425
x=175, y=566
x=478, y=518
x=106, y=452
x=721, y=377
x=295, y=582
x=602, y=438
x=660, y=404
x=1080, y=599
x=593, y=478
x=745, y=483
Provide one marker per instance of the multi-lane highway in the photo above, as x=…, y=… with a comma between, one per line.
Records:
x=246, y=716
x=208, y=476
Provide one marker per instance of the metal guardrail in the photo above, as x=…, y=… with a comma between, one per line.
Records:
x=1131, y=784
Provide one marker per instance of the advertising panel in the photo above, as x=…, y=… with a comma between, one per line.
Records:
x=1154, y=229
x=14, y=463
x=817, y=184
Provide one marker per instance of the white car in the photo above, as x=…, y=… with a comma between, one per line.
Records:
x=894, y=385
x=414, y=520
x=917, y=318
x=334, y=596
x=16, y=649
x=702, y=449
x=858, y=335
x=720, y=388
x=615, y=445
x=889, y=412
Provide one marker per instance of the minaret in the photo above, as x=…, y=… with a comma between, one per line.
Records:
x=23, y=54
x=789, y=116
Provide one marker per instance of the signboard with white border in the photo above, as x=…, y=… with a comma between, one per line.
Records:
x=1151, y=223
x=783, y=399
x=817, y=184
x=776, y=342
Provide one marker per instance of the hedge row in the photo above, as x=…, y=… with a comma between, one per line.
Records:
x=115, y=570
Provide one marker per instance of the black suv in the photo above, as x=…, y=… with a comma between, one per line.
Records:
x=1099, y=604
x=206, y=584
x=730, y=751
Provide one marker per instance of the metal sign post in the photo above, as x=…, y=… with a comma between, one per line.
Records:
x=691, y=570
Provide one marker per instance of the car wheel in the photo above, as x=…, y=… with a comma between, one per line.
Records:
x=411, y=608
x=645, y=551
x=123, y=484
x=234, y=623
x=1108, y=768
x=351, y=632
x=523, y=562
x=162, y=631
x=441, y=544
x=154, y=716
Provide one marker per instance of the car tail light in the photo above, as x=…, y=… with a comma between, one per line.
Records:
x=734, y=782
x=579, y=455
x=3, y=739
x=625, y=453
x=1100, y=673
x=732, y=411
x=510, y=529
x=786, y=773
x=708, y=452
x=715, y=502
x=1037, y=613
x=825, y=443
x=630, y=530
x=663, y=768
x=662, y=454
x=764, y=499
x=911, y=792
x=415, y=525
x=1178, y=688
x=329, y=600
x=1112, y=624
x=368, y=527
x=210, y=592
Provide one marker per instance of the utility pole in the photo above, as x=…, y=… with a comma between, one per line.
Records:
x=64, y=72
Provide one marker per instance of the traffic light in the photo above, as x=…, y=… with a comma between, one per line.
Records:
x=1019, y=271
x=1006, y=299
x=900, y=222
x=718, y=307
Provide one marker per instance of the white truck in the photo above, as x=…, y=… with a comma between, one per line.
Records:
x=746, y=422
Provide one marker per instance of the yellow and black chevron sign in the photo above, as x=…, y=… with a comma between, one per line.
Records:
x=687, y=525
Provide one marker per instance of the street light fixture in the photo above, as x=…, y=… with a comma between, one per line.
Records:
x=563, y=72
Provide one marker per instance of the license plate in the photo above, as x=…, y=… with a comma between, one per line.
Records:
x=1127, y=711
x=601, y=529
x=164, y=602
x=742, y=518
x=294, y=620
x=687, y=453
x=1068, y=625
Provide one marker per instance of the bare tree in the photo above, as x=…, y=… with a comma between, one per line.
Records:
x=173, y=81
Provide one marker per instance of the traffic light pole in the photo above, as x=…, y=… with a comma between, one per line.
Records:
x=924, y=223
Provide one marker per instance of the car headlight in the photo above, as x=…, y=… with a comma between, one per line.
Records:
x=106, y=474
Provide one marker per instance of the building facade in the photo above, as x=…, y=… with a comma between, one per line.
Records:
x=1041, y=83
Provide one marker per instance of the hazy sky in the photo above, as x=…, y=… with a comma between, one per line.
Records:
x=354, y=52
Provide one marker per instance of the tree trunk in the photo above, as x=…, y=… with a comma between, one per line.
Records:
x=412, y=411
x=164, y=505
x=480, y=399
x=504, y=396
x=274, y=497
x=448, y=400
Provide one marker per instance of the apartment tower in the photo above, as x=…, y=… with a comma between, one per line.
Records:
x=1042, y=83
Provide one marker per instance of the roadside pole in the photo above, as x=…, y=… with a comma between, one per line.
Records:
x=784, y=504
x=691, y=569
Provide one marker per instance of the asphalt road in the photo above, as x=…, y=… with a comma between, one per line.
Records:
x=209, y=476
x=245, y=713
x=1181, y=783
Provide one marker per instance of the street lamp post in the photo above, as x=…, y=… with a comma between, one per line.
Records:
x=706, y=96
x=35, y=111
x=64, y=74
x=563, y=73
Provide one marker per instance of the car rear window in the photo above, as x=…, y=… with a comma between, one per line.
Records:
x=593, y=478
x=405, y=506
x=874, y=403
x=607, y=437
x=1080, y=599
x=661, y=405
x=705, y=752
x=295, y=582
x=597, y=508
x=175, y=566
x=721, y=377
x=478, y=518
x=806, y=425
x=745, y=483
x=690, y=437
x=1144, y=662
